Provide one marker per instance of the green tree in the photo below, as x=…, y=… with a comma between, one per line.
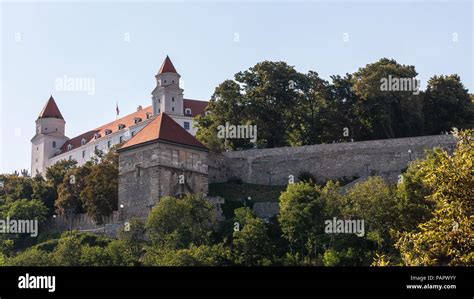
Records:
x=447, y=104
x=100, y=191
x=178, y=223
x=31, y=257
x=251, y=244
x=203, y=255
x=301, y=219
x=374, y=202
x=387, y=113
x=55, y=173
x=44, y=192
x=445, y=239
x=68, y=252
x=69, y=191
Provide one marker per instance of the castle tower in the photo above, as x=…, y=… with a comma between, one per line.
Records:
x=49, y=137
x=167, y=96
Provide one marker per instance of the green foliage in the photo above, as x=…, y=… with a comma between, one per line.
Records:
x=178, y=223
x=374, y=202
x=251, y=244
x=447, y=105
x=45, y=192
x=31, y=257
x=69, y=191
x=291, y=108
x=204, y=255
x=446, y=238
x=55, y=173
x=24, y=209
x=100, y=193
x=331, y=258
x=301, y=218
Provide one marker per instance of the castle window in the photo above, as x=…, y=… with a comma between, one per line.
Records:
x=172, y=109
x=195, y=158
x=83, y=154
x=69, y=147
x=96, y=149
x=187, y=111
x=137, y=120
x=83, y=141
x=186, y=125
x=133, y=133
x=121, y=126
x=46, y=129
x=172, y=99
x=54, y=144
x=159, y=110
x=137, y=170
x=108, y=131
x=172, y=81
x=70, y=157
x=175, y=157
x=165, y=81
x=109, y=143
x=120, y=139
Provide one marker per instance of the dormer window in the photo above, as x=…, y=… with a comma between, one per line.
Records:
x=69, y=147
x=96, y=135
x=121, y=126
x=108, y=131
x=187, y=111
x=148, y=115
x=137, y=120
x=83, y=141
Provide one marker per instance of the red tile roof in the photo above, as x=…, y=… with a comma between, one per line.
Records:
x=197, y=108
x=50, y=110
x=128, y=121
x=167, y=66
x=163, y=128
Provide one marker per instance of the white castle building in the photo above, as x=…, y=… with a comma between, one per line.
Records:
x=50, y=144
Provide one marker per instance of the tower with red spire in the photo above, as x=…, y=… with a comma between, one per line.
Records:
x=49, y=136
x=167, y=96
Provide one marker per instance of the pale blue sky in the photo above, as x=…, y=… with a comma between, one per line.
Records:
x=87, y=40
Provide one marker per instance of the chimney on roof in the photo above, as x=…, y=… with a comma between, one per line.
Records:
x=139, y=107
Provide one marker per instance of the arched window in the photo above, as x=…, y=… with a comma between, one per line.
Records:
x=69, y=147
x=83, y=141
x=187, y=111
x=108, y=131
